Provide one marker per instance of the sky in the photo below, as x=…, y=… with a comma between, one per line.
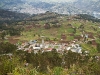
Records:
x=54, y=0
x=58, y=0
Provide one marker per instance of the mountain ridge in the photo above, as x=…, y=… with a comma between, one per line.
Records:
x=35, y=7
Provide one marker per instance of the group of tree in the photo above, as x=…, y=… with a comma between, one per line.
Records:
x=9, y=15
x=42, y=61
x=88, y=17
x=11, y=30
x=48, y=25
x=6, y=47
x=65, y=60
x=46, y=16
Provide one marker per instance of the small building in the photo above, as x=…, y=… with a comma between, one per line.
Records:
x=36, y=48
x=47, y=49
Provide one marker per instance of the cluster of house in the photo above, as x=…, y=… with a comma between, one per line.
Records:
x=33, y=45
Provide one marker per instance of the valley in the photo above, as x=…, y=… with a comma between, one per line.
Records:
x=49, y=38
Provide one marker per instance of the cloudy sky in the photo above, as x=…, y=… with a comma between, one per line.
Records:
x=58, y=0
x=53, y=0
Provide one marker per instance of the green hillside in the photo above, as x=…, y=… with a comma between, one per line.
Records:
x=56, y=29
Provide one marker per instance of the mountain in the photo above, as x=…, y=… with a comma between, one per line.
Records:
x=37, y=6
x=5, y=3
x=34, y=7
x=91, y=6
x=21, y=6
x=9, y=16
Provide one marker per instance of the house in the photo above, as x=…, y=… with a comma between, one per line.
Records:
x=26, y=49
x=68, y=48
x=36, y=47
x=30, y=50
x=47, y=49
x=32, y=41
x=76, y=48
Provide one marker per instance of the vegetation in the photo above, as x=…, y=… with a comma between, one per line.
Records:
x=6, y=47
x=56, y=28
x=49, y=63
x=88, y=17
x=10, y=17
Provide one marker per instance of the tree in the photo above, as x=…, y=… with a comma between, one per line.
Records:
x=7, y=47
x=13, y=31
x=71, y=58
x=3, y=34
x=7, y=65
x=74, y=30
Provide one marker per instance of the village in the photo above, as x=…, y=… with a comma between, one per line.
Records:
x=46, y=46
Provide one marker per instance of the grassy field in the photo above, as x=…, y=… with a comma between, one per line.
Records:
x=56, y=32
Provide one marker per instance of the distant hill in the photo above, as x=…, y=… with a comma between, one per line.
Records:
x=9, y=16
x=92, y=6
x=4, y=3
x=35, y=7
x=5, y=14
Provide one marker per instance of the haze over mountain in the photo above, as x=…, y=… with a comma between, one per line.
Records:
x=60, y=6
